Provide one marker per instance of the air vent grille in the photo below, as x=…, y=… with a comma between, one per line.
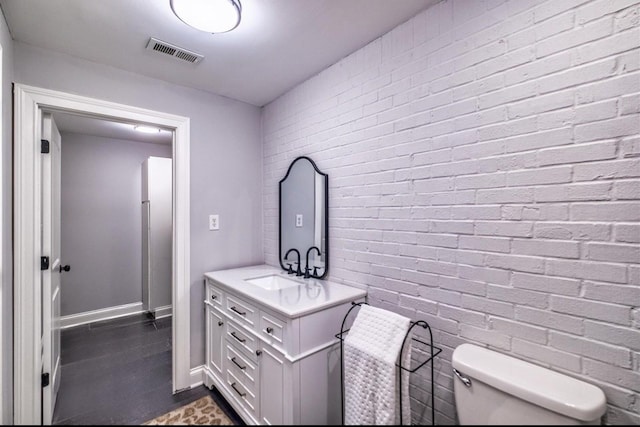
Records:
x=174, y=51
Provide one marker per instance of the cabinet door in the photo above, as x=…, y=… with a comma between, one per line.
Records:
x=271, y=387
x=215, y=347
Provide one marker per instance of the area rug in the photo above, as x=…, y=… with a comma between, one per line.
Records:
x=203, y=411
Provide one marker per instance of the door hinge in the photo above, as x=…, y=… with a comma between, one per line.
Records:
x=44, y=263
x=45, y=380
x=44, y=146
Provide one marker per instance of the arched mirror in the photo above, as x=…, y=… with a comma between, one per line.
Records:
x=304, y=220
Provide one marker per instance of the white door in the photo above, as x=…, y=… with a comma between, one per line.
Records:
x=51, y=165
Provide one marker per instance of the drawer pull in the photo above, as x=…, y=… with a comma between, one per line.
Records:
x=233, y=359
x=258, y=352
x=237, y=311
x=214, y=296
x=269, y=330
x=220, y=323
x=233, y=334
x=233, y=386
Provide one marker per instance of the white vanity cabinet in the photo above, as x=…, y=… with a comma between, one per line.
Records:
x=275, y=364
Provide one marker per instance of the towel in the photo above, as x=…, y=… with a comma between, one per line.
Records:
x=371, y=350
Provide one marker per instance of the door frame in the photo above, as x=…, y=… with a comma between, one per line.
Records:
x=28, y=104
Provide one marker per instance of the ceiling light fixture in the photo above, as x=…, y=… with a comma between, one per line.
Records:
x=212, y=16
x=146, y=129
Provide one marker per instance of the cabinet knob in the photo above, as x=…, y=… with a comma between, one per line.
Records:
x=258, y=352
x=269, y=330
x=214, y=296
x=220, y=323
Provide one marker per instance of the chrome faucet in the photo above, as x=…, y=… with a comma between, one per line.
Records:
x=298, y=271
x=306, y=268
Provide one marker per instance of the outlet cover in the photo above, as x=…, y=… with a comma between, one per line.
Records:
x=214, y=222
x=298, y=220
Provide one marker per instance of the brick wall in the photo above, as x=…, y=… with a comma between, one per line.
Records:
x=484, y=175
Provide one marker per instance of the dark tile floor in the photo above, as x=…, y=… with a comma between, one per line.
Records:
x=119, y=372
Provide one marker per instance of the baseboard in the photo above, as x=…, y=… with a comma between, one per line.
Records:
x=197, y=376
x=164, y=311
x=101, y=314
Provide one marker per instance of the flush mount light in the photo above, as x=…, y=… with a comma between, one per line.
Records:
x=212, y=16
x=146, y=129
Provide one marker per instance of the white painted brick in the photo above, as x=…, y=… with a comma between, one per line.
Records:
x=574, y=192
x=630, y=104
x=612, y=374
x=508, y=60
x=441, y=296
x=572, y=231
x=480, y=118
x=548, y=284
x=504, y=228
x=484, y=305
x=553, y=175
x=607, y=88
x=458, y=227
x=627, y=18
x=549, y=248
x=518, y=330
x=505, y=195
x=628, y=233
x=507, y=95
x=476, y=213
x=578, y=153
x=483, y=274
x=630, y=147
x=549, y=9
x=615, y=273
x=561, y=322
x=490, y=244
x=580, y=35
x=612, y=313
x=613, y=252
x=616, y=335
x=542, y=103
x=538, y=68
x=611, y=211
x=462, y=285
x=546, y=354
x=595, y=111
x=577, y=75
x=604, y=352
x=419, y=304
x=623, y=126
x=624, y=295
x=517, y=296
x=626, y=190
x=634, y=275
x=515, y=262
x=599, y=8
x=606, y=170
x=491, y=180
x=460, y=315
x=493, y=338
x=608, y=46
x=556, y=119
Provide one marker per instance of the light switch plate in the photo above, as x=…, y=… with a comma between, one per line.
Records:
x=298, y=220
x=214, y=222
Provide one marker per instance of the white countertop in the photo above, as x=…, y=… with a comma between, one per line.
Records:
x=312, y=294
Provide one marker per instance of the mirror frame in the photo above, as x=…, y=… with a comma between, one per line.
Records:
x=326, y=215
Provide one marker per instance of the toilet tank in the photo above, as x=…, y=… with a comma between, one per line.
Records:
x=506, y=390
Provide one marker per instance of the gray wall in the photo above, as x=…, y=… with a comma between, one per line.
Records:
x=226, y=159
x=6, y=259
x=101, y=220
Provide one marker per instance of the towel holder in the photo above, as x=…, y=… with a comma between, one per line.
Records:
x=434, y=351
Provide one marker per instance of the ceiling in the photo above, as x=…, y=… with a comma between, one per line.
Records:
x=278, y=44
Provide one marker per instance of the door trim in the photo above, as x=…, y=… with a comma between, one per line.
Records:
x=28, y=102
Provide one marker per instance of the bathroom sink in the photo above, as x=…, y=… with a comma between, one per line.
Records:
x=273, y=282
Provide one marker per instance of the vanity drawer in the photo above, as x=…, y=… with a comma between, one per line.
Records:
x=241, y=339
x=214, y=295
x=244, y=369
x=246, y=397
x=241, y=311
x=272, y=329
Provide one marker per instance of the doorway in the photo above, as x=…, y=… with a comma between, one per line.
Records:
x=29, y=105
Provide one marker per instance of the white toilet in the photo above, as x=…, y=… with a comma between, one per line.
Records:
x=493, y=388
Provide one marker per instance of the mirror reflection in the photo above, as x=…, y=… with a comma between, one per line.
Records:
x=304, y=220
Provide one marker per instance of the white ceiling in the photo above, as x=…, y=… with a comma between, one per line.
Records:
x=278, y=44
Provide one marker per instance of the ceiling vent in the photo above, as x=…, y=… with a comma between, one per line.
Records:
x=173, y=50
